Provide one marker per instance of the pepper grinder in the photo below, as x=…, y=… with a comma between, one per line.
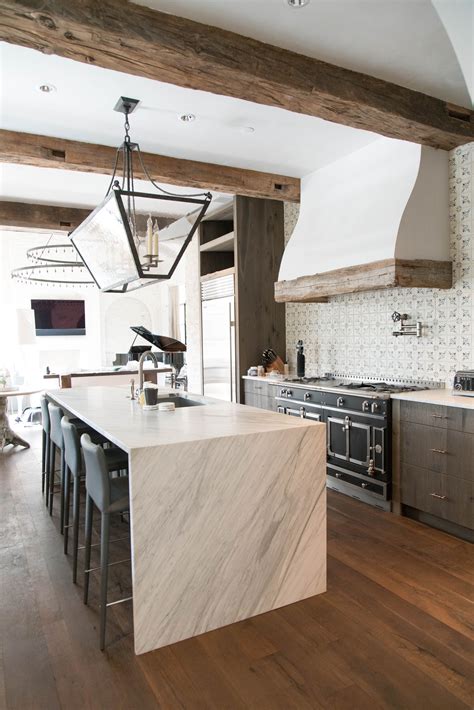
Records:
x=300, y=359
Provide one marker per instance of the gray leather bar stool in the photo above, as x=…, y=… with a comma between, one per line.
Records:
x=57, y=445
x=46, y=445
x=116, y=460
x=110, y=495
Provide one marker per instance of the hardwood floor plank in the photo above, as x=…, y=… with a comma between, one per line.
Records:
x=369, y=608
x=414, y=584
x=383, y=674
x=429, y=544
x=393, y=630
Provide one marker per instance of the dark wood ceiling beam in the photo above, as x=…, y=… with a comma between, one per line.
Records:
x=47, y=152
x=24, y=215
x=119, y=35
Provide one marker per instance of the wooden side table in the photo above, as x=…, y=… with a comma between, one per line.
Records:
x=7, y=435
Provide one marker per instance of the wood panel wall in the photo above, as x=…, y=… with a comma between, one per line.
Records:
x=259, y=229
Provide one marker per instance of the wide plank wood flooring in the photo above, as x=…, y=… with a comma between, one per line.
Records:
x=394, y=630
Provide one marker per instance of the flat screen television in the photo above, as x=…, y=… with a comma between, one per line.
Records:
x=59, y=317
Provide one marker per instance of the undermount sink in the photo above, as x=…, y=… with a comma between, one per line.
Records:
x=180, y=401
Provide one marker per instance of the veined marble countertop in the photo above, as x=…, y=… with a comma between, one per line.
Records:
x=443, y=397
x=111, y=412
x=227, y=509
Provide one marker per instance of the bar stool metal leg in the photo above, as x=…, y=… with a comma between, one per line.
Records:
x=52, y=464
x=104, y=561
x=62, y=489
x=46, y=473
x=76, y=505
x=65, y=497
x=87, y=544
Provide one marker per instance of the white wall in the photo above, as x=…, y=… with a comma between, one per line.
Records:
x=387, y=199
x=108, y=316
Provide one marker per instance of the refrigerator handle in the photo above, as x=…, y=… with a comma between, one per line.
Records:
x=231, y=355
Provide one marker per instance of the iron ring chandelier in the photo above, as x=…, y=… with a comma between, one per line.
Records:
x=49, y=267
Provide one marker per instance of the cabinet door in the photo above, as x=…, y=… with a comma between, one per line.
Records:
x=251, y=399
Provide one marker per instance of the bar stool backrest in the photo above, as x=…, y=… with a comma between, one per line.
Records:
x=72, y=447
x=97, y=476
x=45, y=414
x=55, y=416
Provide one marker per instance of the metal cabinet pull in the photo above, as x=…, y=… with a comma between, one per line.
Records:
x=439, y=416
x=436, y=495
x=439, y=451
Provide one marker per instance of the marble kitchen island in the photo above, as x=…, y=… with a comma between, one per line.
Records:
x=227, y=509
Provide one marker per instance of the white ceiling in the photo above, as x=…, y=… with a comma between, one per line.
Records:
x=82, y=108
x=69, y=188
x=409, y=42
x=400, y=40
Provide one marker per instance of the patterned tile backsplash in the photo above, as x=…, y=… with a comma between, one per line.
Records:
x=352, y=334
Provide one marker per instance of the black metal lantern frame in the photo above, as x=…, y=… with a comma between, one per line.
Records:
x=122, y=248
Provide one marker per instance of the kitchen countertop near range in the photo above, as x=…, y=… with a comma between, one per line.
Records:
x=442, y=397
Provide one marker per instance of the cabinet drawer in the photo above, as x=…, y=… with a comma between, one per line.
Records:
x=419, y=489
x=420, y=446
x=458, y=506
x=468, y=420
x=446, y=497
x=432, y=415
x=439, y=450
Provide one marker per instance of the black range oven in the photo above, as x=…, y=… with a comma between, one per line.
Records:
x=358, y=430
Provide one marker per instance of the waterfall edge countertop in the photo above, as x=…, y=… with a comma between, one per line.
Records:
x=112, y=413
x=227, y=509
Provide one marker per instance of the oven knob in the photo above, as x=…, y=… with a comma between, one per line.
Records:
x=307, y=395
x=375, y=407
x=365, y=406
x=340, y=402
x=289, y=393
x=458, y=386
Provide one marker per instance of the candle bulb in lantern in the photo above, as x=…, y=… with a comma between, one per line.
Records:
x=156, y=232
x=149, y=235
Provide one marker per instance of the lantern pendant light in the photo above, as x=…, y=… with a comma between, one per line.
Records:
x=134, y=239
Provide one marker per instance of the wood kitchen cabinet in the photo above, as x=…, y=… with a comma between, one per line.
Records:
x=261, y=394
x=436, y=462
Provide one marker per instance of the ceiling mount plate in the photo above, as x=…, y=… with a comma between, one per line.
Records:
x=126, y=105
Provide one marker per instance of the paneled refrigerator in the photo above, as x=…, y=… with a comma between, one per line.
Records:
x=218, y=338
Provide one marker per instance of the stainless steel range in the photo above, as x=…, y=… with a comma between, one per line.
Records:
x=358, y=419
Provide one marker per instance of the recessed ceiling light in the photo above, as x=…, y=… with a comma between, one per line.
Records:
x=187, y=117
x=47, y=88
x=297, y=3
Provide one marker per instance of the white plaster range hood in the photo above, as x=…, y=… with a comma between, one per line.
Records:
x=375, y=219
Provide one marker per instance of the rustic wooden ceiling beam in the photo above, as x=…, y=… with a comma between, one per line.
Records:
x=37, y=217
x=119, y=35
x=47, y=152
